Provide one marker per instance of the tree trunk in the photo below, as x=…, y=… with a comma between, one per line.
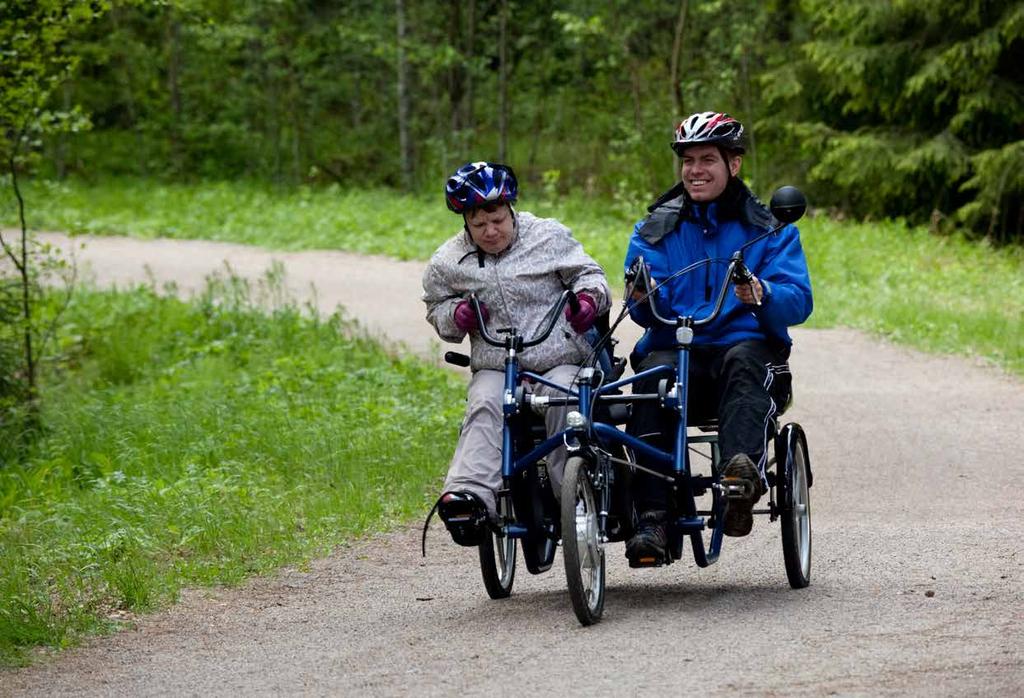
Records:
x=456, y=71
x=60, y=163
x=21, y=264
x=503, y=108
x=748, y=108
x=127, y=81
x=296, y=119
x=470, y=52
x=677, y=50
x=538, y=129
x=174, y=90
x=634, y=75
x=404, y=142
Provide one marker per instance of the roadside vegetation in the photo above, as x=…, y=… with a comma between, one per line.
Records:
x=937, y=293
x=199, y=443
x=156, y=443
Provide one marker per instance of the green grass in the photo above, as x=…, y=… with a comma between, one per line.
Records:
x=197, y=444
x=940, y=294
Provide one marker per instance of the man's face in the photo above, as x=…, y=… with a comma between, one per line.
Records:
x=705, y=173
x=491, y=230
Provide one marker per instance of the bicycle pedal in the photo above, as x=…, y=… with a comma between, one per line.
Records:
x=646, y=561
x=735, y=488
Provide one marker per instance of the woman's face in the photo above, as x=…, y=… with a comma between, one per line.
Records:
x=491, y=230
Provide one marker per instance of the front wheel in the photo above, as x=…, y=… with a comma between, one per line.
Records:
x=498, y=564
x=582, y=549
x=796, y=510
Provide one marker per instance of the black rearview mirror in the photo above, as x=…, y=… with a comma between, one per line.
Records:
x=788, y=204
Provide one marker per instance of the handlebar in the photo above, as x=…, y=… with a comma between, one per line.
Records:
x=514, y=339
x=788, y=205
x=737, y=273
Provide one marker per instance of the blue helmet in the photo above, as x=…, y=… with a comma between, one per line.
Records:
x=477, y=184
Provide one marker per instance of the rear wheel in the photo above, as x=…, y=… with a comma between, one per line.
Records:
x=582, y=549
x=498, y=564
x=796, y=511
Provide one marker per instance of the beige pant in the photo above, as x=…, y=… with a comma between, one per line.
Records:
x=476, y=465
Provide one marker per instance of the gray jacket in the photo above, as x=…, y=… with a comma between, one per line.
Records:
x=518, y=286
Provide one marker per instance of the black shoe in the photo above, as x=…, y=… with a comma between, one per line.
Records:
x=741, y=477
x=648, y=545
x=465, y=516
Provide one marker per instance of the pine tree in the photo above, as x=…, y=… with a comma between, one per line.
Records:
x=912, y=108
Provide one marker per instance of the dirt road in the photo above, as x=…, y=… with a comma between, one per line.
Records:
x=917, y=580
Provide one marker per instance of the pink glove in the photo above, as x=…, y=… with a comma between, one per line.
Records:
x=465, y=318
x=583, y=319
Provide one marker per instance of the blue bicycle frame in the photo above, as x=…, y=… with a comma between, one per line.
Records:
x=590, y=434
x=689, y=522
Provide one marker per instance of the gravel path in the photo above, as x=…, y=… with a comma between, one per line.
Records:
x=917, y=582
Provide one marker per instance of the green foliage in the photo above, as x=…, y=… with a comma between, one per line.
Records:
x=25, y=335
x=999, y=182
x=837, y=95
x=298, y=91
x=33, y=37
x=910, y=108
x=192, y=444
x=34, y=64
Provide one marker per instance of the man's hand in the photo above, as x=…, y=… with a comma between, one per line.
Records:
x=636, y=279
x=751, y=293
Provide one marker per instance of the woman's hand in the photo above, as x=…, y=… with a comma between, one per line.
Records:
x=583, y=319
x=465, y=318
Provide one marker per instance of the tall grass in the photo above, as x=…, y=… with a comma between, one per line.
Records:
x=198, y=443
x=942, y=294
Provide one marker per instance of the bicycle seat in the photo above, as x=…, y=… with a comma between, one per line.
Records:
x=705, y=419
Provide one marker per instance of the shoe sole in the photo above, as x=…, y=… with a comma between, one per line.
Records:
x=466, y=531
x=465, y=524
x=739, y=519
x=644, y=556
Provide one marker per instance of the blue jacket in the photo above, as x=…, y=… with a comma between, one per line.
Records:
x=679, y=232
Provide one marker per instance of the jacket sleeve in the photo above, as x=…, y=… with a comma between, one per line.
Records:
x=579, y=271
x=788, y=299
x=441, y=300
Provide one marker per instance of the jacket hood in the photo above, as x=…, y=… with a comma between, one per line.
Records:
x=737, y=202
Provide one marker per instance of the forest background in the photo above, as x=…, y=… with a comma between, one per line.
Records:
x=878, y=109
x=147, y=443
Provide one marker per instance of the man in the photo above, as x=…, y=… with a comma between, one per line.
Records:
x=738, y=364
x=516, y=264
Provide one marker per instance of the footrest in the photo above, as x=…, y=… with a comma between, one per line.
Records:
x=695, y=525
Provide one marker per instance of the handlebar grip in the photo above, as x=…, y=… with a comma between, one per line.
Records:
x=741, y=274
x=574, y=303
x=456, y=358
x=637, y=275
x=475, y=303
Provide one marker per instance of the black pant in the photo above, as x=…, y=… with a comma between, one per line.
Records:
x=744, y=385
